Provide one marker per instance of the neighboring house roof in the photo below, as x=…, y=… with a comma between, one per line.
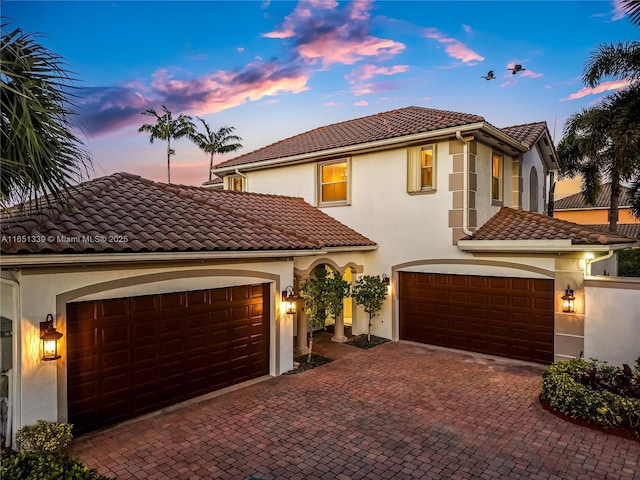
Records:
x=511, y=224
x=381, y=126
x=214, y=182
x=527, y=134
x=159, y=217
x=631, y=230
x=577, y=200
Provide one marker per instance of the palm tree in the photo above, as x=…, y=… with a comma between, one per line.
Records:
x=633, y=10
x=40, y=153
x=167, y=128
x=605, y=140
x=620, y=61
x=213, y=142
x=598, y=142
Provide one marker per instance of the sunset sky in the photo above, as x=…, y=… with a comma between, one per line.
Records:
x=273, y=69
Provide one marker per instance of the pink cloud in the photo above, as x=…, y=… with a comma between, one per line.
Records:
x=327, y=34
x=361, y=103
x=603, y=87
x=531, y=73
x=224, y=89
x=239, y=49
x=331, y=49
x=454, y=48
x=332, y=104
x=367, y=71
x=466, y=28
x=358, y=76
x=109, y=109
x=618, y=11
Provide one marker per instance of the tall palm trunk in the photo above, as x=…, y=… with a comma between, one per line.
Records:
x=210, y=167
x=615, y=201
x=168, y=161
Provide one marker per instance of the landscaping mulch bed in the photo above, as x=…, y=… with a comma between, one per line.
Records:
x=623, y=432
x=361, y=341
x=304, y=365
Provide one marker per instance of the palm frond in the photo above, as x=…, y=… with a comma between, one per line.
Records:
x=41, y=155
x=620, y=61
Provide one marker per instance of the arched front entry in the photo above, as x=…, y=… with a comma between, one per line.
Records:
x=349, y=314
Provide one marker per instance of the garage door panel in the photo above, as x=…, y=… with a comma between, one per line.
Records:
x=138, y=354
x=113, y=308
x=496, y=315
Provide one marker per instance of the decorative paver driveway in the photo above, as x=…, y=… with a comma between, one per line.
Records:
x=397, y=411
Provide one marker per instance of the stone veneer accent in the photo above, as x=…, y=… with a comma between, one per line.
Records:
x=456, y=185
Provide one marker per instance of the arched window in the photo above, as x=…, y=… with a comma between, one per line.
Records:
x=533, y=190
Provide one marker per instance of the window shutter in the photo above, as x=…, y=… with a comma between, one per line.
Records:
x=413, y=169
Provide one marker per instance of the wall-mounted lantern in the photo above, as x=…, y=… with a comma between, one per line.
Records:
x=567, y=300
x=49, y=336
x=289, y=299
x=387, y=281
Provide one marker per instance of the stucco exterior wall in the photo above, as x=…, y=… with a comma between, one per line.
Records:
x=42, y=388
x=409, y=228
x=532, y=159
x=595, y=216
x=612, y=323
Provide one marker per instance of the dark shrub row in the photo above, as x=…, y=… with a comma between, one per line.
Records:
x=594, y=391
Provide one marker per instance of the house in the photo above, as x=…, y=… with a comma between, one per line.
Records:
x=437, y=190
x=574, y=208
x=161, y=293
x=167, y=292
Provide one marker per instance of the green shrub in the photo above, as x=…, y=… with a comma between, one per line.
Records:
x=44, y=437
x=45, y=466
x=590, y=402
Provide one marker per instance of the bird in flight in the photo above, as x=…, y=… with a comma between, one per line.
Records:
x=489, y=75
x=516, y=68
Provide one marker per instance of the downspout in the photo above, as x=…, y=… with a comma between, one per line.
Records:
x=465, y=182
x=246, y=181
x=591, y=261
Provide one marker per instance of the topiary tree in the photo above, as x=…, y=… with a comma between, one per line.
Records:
x=337, y=290
x=369, y=292
x=323, y=295
x=314, y=294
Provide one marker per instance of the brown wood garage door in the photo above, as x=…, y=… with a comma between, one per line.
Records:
x=509, y=317
x=129, y=356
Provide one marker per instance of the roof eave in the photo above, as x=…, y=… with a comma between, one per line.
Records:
x=58, y=259
x=535, y=246
x=376, y=145
x=357, y=248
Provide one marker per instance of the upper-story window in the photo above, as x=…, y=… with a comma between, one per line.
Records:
x=421, y=169
x=533, y=190
x=333, y=183
x=236, y=183
x=496, y=177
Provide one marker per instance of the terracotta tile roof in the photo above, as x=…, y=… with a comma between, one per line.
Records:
x=510, y=224
x=214, y=182
x=631, y=230
x=527, y=134
x=577, y=200
x=158, y=217
x=381, y=126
